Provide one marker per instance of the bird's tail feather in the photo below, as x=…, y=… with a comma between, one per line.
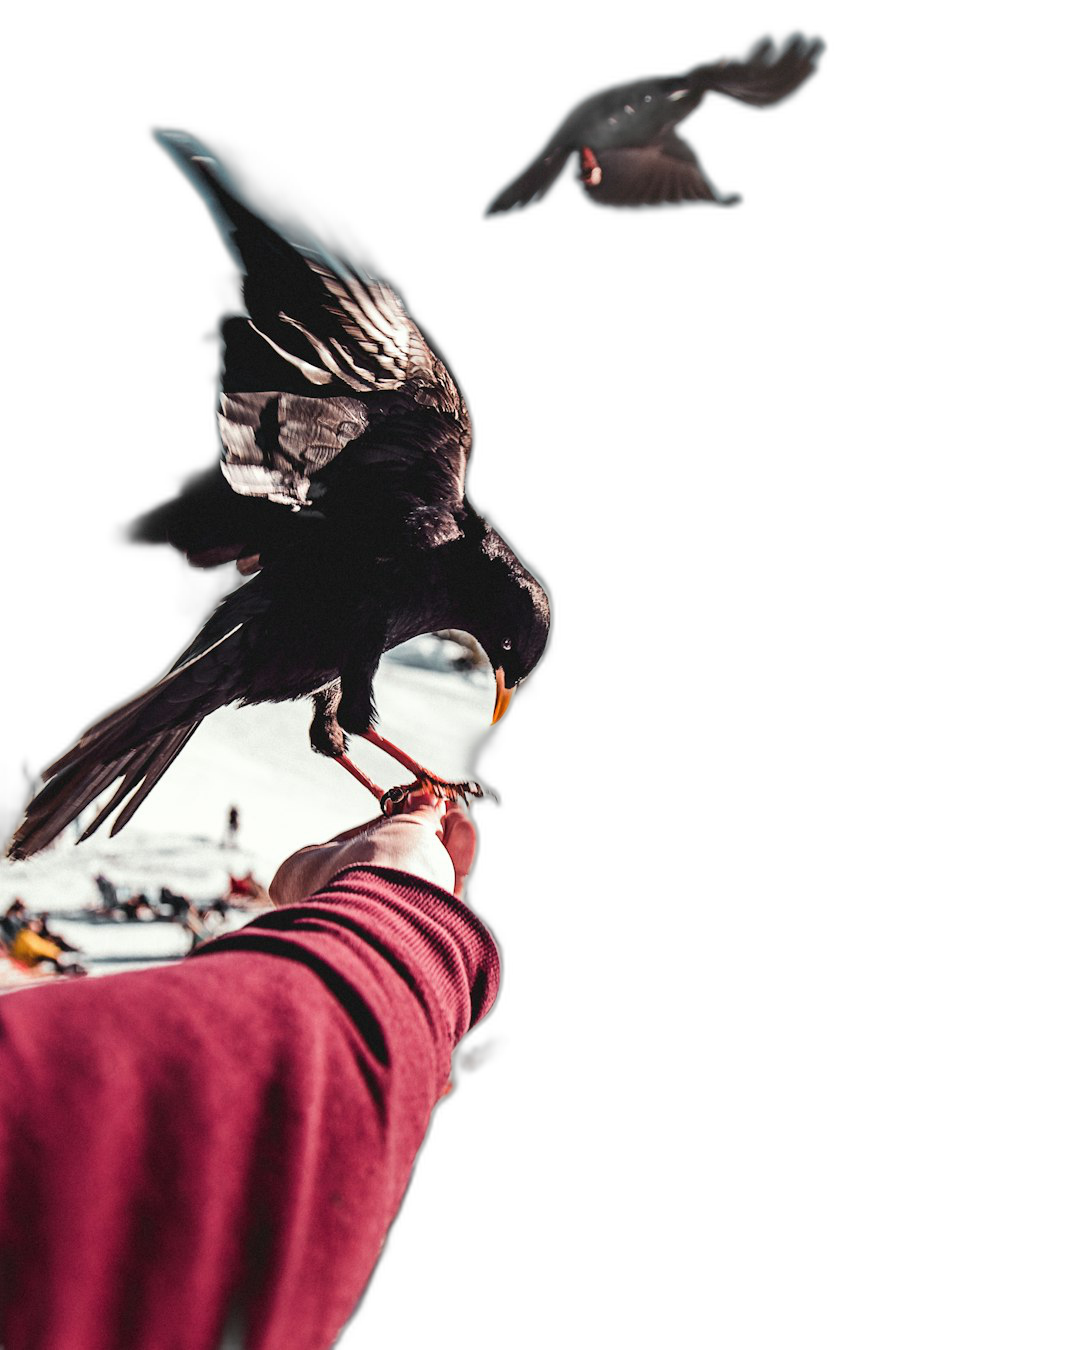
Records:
x=65, y=796
x=136, y=743
x=534, y=182
x=141, y=777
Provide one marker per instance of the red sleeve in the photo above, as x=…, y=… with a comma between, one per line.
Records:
x=219, y=1146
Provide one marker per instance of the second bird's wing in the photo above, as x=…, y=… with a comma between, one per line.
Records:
x=663, y=171
x=534, y=182
x=764, y=77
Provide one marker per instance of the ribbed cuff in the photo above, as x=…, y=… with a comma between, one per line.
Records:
x=432, y=941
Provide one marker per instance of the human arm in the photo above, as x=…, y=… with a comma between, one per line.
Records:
x=232, y=1135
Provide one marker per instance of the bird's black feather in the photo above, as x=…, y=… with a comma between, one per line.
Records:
x=342, y=477
x=625, y=136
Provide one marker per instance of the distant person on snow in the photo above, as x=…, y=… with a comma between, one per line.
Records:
x=33, y=950
x=176, y=905
x=136, y=907
x=232, y=827
x=107, y=891
x=13, y=920
x=47, y=933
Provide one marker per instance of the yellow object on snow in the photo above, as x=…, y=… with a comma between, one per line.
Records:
x=30, y=948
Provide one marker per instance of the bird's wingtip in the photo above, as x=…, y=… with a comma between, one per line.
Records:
x=809, y=48
x=205, y=172
x=509, y=201
x=180, y=144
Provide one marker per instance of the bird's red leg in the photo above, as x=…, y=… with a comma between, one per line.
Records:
x=360, y=776
x=407, y=762
x=440, y=786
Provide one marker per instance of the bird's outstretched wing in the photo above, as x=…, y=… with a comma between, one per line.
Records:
x=325, y=346
x=534, y=182
x=764, y=77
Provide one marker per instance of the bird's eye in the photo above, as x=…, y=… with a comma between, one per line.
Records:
x=506, y=644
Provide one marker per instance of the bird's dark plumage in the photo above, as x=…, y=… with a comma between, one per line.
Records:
x=629, y=154
x=341, y=485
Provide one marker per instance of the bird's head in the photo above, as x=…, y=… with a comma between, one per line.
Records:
x=509, y=615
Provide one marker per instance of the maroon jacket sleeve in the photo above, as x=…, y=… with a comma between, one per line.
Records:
x=212, y=1152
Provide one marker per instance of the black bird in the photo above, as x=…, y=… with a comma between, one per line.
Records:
x=629, y=154
x=341, y=485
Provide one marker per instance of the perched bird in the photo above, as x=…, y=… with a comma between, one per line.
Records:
x=629, y=154
x=341, y=488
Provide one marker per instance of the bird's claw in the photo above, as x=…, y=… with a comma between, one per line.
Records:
x=395, y=799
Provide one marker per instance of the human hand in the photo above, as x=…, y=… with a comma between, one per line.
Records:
x=426, y=837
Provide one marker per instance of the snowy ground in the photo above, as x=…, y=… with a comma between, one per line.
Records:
x=257, y=759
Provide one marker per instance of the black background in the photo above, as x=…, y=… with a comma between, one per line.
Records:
x=655, y=398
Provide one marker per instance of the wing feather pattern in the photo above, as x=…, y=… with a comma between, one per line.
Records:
x=764, y=77
x=319, y=332
x=648, y=175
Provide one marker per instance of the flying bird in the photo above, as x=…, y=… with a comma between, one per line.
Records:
x=340, y=492
x=628, y=150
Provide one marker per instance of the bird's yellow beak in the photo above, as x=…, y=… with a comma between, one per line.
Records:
x=502, y=695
